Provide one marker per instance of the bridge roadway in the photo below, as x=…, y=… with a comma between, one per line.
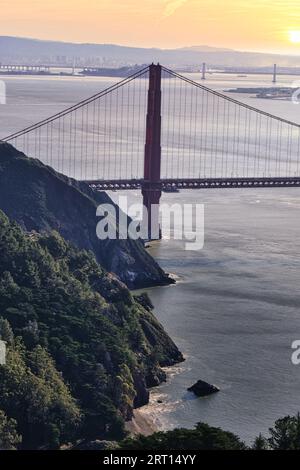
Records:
x=196, y=183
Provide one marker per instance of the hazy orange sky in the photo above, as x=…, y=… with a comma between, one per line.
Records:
x=261, y=25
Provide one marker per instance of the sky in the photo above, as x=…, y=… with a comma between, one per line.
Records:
x=258, y=25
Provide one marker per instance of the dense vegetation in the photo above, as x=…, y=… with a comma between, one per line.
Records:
x=203, y=437
x=81, y=348
x=285, y=435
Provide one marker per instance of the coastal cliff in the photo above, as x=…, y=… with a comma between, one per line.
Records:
x=82, y=350
x=40, y=199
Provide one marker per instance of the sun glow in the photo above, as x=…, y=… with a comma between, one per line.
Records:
x=294, y=37
x=156, y=23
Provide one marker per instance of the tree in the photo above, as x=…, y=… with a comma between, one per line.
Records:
x=285, y=435
x=55, y=244
x=6, y=333
x=260, y=443
x=9, y=438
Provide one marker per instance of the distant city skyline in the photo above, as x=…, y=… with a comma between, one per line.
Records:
x=256, y=25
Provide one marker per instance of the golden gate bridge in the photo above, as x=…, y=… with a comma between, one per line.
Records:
x=159, y=130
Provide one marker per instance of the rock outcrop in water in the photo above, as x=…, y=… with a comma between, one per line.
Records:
x=40, y=199
x=203, y=389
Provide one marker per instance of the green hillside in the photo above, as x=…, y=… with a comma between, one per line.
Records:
x=81, y=348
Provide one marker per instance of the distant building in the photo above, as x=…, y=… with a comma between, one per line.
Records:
x=2, y=353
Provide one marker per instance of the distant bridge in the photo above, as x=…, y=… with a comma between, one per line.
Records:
x=11, y=68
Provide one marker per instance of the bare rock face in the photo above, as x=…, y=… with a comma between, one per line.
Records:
x=203, y=389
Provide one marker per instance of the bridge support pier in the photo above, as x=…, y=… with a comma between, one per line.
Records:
x=151, y=188
x=151, y=199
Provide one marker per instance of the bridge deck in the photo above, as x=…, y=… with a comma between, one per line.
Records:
x=196, y=183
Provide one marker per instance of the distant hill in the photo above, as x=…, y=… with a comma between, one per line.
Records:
x=24, y=50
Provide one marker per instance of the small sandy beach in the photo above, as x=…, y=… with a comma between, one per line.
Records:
x=141, y=424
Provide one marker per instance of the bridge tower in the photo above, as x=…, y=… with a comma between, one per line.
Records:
x=275, y=74
x=151, y=188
